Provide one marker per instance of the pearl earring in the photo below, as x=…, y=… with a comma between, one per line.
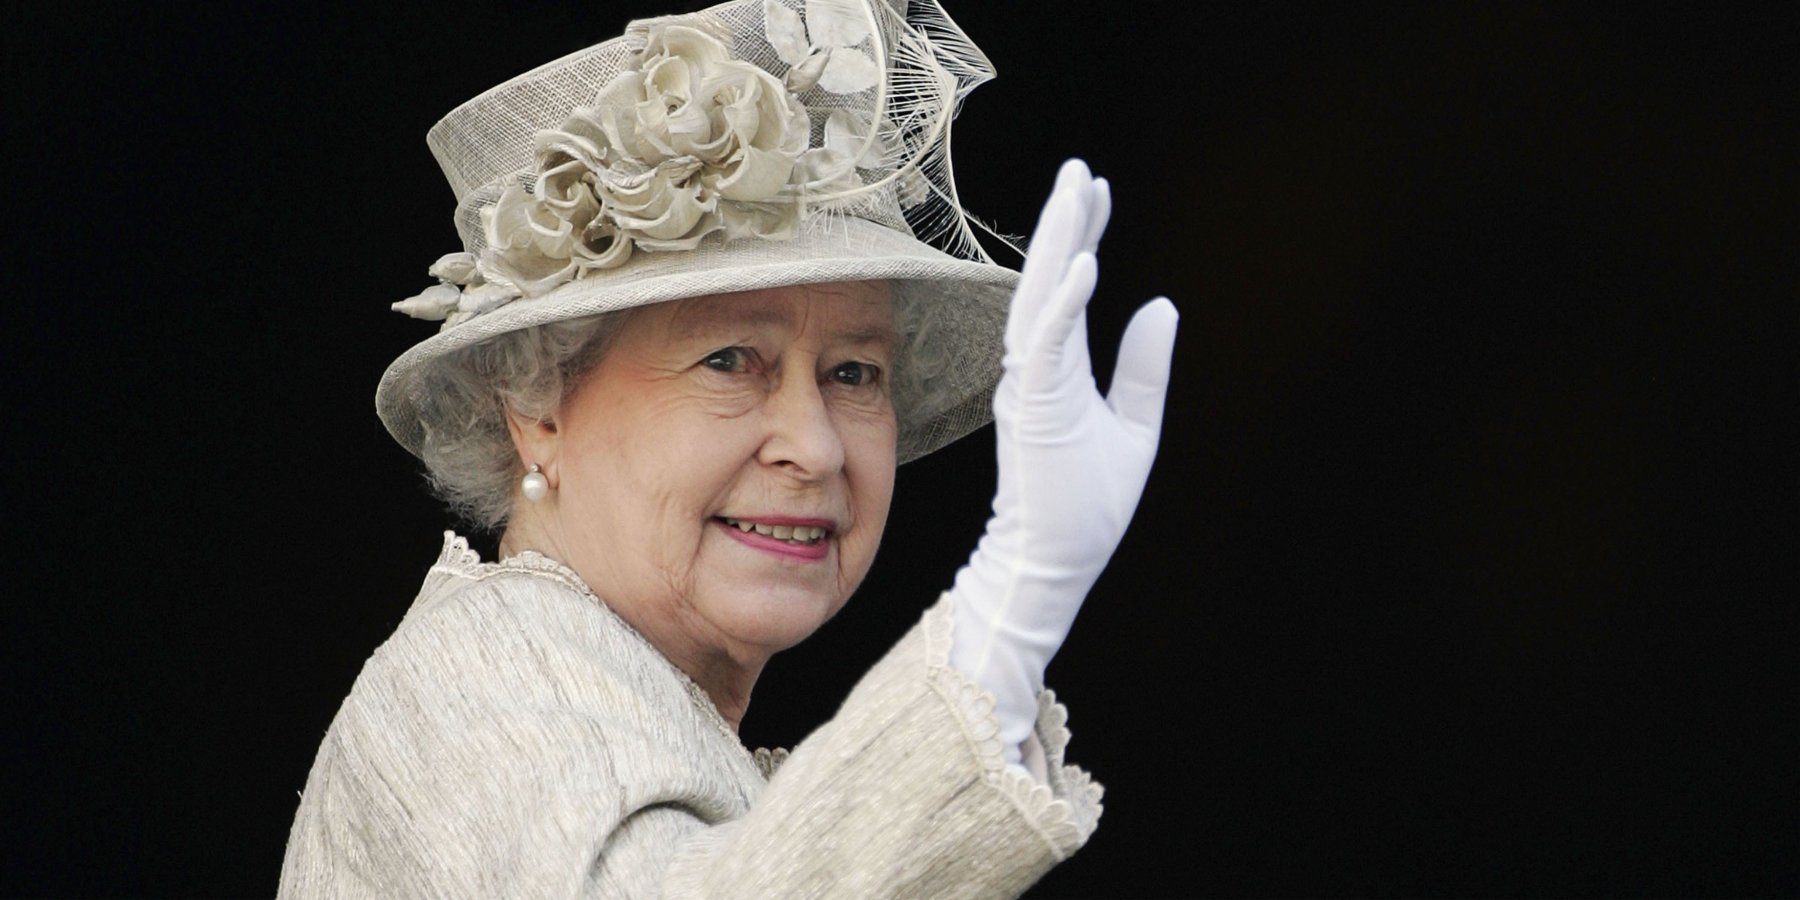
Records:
x=534, y=484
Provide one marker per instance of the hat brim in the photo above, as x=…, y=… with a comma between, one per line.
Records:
x=963, y=304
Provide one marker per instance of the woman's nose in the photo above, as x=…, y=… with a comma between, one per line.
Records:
x=802, y=438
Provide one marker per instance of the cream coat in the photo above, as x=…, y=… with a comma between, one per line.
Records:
x=515, y=738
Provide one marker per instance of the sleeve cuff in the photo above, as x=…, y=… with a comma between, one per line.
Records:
x=1065, y=804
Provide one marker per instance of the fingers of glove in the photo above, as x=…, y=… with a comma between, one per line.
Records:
x=1099, y=211
x=1140, y=382
x=1058, y=349
x=1061, y=228
x=1075, y=346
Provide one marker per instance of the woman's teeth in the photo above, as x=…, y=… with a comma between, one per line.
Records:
x=799, y=534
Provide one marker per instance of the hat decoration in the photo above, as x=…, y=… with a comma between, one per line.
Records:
x=711, y=128
x=756, y=144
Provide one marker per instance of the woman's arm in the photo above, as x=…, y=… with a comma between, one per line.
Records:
x=904, y=793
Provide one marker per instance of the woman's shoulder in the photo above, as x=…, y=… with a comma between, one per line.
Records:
x=459, y=577
x=527, y=630
x=530, y=599
x=509, y=695
x=470, y=612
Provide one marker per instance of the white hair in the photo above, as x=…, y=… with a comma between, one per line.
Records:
x=470, y=460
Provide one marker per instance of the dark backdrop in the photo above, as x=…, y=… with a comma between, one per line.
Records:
x=1461, y=571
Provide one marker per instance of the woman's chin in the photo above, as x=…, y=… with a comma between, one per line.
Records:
x=767, y=601
x=774, y=617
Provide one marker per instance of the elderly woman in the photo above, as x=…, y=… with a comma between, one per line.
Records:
x=693, y=333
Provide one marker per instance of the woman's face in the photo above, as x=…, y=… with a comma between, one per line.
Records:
x=723, y=475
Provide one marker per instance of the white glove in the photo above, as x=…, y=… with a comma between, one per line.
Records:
x=1072, y=464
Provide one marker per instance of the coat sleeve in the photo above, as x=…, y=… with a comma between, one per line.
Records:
x=487, y=778
x=904, y=793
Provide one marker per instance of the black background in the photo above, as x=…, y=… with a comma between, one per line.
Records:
x=1466, y=567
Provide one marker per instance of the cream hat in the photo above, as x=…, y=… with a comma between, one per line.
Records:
x=755, y=144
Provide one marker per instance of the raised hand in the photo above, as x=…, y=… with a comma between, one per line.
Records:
x=1072, y=463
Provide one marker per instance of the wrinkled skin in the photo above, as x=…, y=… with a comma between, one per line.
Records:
x=756, y=406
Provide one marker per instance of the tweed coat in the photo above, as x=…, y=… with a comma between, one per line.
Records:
x=516, y=738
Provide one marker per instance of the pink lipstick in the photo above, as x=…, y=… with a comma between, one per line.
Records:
x=789, y=537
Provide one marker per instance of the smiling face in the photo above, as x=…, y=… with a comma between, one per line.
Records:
x=722, y=477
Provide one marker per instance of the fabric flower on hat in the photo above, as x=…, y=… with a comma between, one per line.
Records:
x=821, y=49
x=685, y=143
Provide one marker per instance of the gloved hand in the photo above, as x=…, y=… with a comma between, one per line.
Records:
x=1072, y=464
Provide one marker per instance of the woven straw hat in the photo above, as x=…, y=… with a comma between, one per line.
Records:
x=756, y=144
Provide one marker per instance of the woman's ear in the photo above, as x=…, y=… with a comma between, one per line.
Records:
x=536, y=440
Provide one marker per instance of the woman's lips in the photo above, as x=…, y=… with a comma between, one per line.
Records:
x=787, y=549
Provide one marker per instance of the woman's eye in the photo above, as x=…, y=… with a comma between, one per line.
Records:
x=730, y=359
x=854, y=373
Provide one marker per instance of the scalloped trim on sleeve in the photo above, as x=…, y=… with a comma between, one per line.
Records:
x=1070, y=782
x=1067, y=809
